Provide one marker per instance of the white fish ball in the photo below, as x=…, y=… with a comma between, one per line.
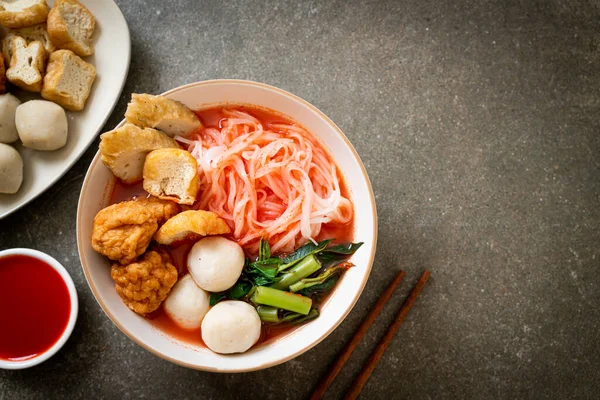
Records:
x=8, y=108
x=231, y=326
x=42, y=125
x=187, y=304
x=216, y=263
x=11, y=169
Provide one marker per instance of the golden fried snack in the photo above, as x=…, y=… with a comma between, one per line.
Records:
x=191, y=225
x=171, y=174
x=124, y=150
x=161, y=209
x=123, y=231
x=68, y=81
x=20, y=13
x=159, y=112
x=71, y=26
x=144, y=284
x=30, y=34
x=27, y=65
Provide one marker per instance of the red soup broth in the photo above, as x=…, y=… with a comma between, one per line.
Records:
x=211, y=118
x=35, y=307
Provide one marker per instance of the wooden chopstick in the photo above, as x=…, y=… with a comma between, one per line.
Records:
x=358, y=335
x=364, y=375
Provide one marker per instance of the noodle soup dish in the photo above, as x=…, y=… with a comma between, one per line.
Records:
x=224, y=228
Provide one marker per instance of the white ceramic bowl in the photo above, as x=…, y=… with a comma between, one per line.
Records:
x=4, y=364
x=97, y=188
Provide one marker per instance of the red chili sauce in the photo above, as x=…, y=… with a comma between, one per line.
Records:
x=35, y=306
x=122, y=192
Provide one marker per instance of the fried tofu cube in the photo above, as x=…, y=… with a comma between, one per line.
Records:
x=20, y=13
x=162, y=113
x=124, y=150
x=171, y=174
x=27, y=64
x=69, y=80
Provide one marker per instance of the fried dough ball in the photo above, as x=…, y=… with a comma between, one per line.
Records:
x=191, y=224
x=123, y=231
x=144, y=284
x=161, y=209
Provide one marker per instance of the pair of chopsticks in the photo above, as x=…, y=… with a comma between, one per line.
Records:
x=364, y=375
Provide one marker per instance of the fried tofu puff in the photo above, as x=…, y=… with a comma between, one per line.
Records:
x=123, y=231
x=193, y=225
x=145, y=284
x=124, y=150
x=171, y=174
x=162, y=113
x=162, y=210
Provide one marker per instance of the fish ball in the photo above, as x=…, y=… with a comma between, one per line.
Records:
x=8, y=107
x=187, y=303
x=231, y=326
x=11, y=169
x=216, y=263
x=42, y=125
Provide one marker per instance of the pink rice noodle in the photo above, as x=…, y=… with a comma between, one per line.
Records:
x=272, y=181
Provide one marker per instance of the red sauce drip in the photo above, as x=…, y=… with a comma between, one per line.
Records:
x=211, y=118
x=35, y=306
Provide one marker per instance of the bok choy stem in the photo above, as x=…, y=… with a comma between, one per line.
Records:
x=268, y=314
x=278, y=298
x=304, y=268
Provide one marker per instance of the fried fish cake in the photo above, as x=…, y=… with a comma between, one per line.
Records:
x=161, y=209
x=145, y=284
x=191, y=224
x=123, y=231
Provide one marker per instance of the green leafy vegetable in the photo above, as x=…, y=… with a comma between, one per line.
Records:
x=264, y=271
x=264, y=250
x=239, y=290
x=303, y=268
x=303, y=318
x=295, y=318
x=321, y=287
x=268, y=271
x=217, y=297
x=267, y=282
x=339, y=252
x=318, y=280
x=306, y=250
x=277, y=316
x=260, y=280
x=267, y=262
x=268, y=314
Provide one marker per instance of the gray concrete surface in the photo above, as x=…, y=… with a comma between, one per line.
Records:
x=478, y=122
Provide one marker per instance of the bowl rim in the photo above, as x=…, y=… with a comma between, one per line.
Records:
x=269, y=364
x=64, y=274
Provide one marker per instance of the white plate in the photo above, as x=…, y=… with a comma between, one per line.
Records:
x=97, y=188
x=111, y=58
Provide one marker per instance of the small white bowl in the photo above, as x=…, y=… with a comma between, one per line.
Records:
x=5, y=364
x=96, y=191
